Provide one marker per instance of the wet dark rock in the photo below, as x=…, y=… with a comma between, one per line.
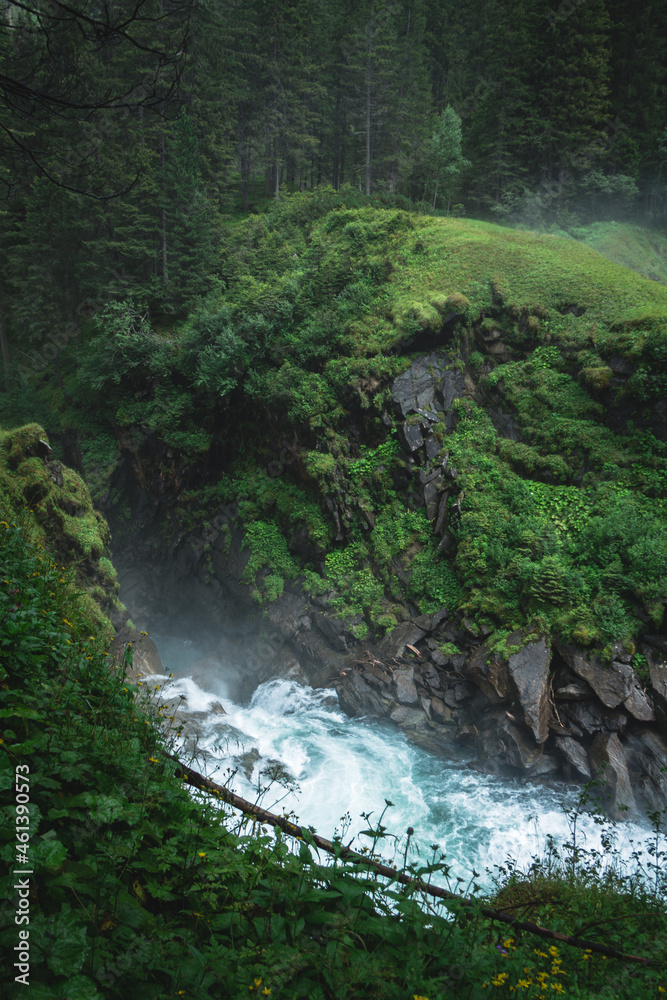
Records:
x=458, y=693
x=504, y=745
x=431, y=676
x=439, y=658
x=639, y=706
x=439, y=709
x=620, y=653
x=490, y=673
x=658, y=674
x=443, y=515
x=428, y=477
x=612, y=683
x=577, y=691
x=432, y=447
x=410, y=436
x=646, y=753
x=503, y=423
x=393, y=645
x=333, y=630
x=611, y=768
x=406, y=691
x=575, y=755
x=407, y=717
x=529, y=670
x=428, y=386
x=357, y=697
x=587, y=718
x=431, y=500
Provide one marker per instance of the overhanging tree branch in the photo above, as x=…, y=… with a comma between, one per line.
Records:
x=43, y=49
x=198, y=780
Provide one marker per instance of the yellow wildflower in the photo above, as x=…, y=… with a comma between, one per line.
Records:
x=500, y=978
x=202, y=854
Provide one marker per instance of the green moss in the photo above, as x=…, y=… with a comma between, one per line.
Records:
x=60, y=518
x=268, y=550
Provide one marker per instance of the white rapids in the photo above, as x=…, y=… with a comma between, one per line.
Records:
x=331, y=769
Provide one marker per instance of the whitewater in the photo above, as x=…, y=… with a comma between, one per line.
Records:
x=293, y=750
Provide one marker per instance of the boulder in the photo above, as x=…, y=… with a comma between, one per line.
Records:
x=658, y=674
x=406, y=691
x=575, y=755
x=646, y=752
x=393, y=645
x=410, y=436
x=577, y=691
x=427, y=386
x=529, y=670
x=611, y=767
x=357, y=697
x=639, y=706
x=489, y=672
x=439, y=709
x=612, y=683
x=407, y=717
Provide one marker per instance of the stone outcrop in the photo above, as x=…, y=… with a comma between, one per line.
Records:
x=529, y=670
x=611, y=767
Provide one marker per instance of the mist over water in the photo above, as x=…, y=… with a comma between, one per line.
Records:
x=326, y=766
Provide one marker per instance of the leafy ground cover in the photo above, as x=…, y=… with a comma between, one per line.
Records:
x=137, y=887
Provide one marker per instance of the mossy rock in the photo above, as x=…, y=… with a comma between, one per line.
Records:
x=456, y=302
x=597, y=378
x=54, y=504
x=24, y=443
x=418, y=317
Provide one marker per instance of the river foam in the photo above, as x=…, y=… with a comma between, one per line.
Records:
x=292, y=748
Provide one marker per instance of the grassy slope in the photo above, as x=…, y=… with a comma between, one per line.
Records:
x=643, y=250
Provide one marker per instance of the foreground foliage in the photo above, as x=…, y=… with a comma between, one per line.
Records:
x=136, y=886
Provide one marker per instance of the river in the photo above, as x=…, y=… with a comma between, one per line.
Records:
x=329, y=770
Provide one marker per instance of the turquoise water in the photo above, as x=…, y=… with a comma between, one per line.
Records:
x=335, y=768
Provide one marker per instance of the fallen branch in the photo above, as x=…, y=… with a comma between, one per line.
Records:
x=347, y=854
